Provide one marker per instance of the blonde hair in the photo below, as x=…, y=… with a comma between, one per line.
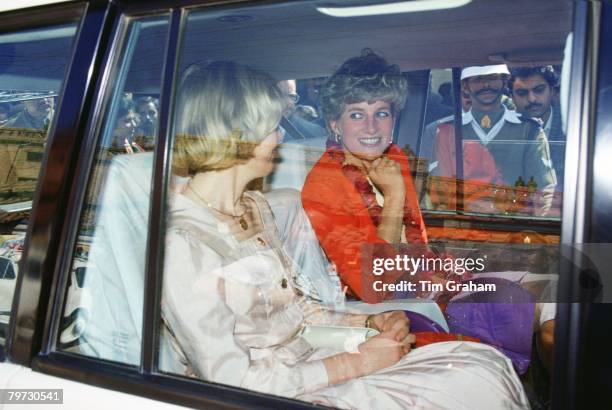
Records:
x=224, y=111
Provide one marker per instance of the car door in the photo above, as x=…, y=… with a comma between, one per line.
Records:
x=105, y=174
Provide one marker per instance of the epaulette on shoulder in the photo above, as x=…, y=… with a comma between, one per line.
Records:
x=444, y=120
x=531, y=120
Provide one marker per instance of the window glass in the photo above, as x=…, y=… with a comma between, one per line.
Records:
x=304, y=150
x=102, y=315
x=513, y=153
x=438, y=107
x=32, y=70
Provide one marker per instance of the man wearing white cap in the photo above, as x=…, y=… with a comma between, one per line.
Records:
x=500, y=148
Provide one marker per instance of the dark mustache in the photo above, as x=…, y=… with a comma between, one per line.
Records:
x=533, y=105
x=488, y=89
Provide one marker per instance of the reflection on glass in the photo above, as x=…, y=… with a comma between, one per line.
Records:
x=513, y=149
x=240, y=308
x=102, y=315
x=32, y=70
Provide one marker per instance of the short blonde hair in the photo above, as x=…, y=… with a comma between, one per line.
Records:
x=224, y=111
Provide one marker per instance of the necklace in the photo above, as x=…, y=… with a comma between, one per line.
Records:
x=241, y=219
x=411, y=218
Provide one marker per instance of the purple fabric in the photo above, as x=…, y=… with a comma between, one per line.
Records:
x=421, y=323
x=503, y=319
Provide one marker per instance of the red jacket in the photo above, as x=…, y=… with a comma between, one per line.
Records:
x=342, y=222
x=481, y=175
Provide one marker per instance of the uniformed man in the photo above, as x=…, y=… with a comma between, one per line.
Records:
x=501, y=150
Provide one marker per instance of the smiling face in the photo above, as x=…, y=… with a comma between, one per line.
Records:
x=532, y=96
x=484, y=90
x=365, y=129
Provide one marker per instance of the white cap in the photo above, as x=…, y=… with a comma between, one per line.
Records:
x=484, y=70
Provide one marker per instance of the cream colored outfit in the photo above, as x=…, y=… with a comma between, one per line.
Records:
x=232, y=315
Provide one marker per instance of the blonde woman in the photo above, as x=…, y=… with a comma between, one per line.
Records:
x=232, y=312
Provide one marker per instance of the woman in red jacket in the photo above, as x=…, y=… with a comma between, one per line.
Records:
x=360, y=198
x=360, y=191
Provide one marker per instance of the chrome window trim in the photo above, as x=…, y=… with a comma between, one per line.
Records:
x=569, y=337
x=39, y=254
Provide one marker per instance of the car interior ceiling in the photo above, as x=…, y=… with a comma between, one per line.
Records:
x=305, y=43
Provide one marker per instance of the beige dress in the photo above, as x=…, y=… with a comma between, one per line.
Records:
x=232, y=315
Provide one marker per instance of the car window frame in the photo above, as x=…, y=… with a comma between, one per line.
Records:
x=572, y=318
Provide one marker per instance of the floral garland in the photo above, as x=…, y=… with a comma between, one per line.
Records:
x=363, y=186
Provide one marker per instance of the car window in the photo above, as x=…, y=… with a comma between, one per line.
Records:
x=102, y=314
x=504, y=173
x=240, y=267
x=32, y=70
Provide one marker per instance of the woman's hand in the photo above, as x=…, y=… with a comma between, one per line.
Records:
x=385, y=321
x=385, y=349
x=386, y=175
x=376, y=353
